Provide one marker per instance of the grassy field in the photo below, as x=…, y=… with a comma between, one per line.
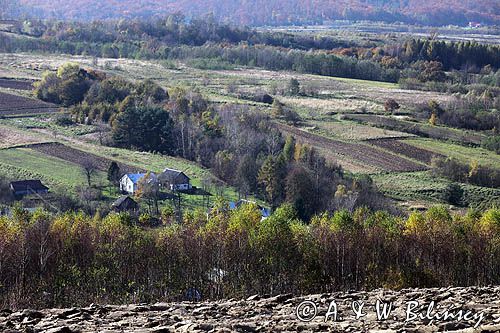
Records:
x=428, y=189
x=463, y=153
x=376, y=84
x=11, y=137
x=47, y=123
x=217, y=81
x=348, y=130
x=22, y=163
x=412, y=186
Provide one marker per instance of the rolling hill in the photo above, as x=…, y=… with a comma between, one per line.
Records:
x=270, y=12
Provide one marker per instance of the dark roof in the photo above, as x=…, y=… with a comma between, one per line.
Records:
x=172, y=175
x=121, y=200
x=28, y=185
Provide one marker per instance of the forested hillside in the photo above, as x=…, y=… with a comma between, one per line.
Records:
x=276, y=12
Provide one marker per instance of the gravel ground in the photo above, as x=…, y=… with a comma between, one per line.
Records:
x=477, y=306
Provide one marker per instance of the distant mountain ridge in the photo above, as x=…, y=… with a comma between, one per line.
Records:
x=272, y=12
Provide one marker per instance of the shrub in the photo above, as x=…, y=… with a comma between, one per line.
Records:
x=64, y=120
x=492, y=143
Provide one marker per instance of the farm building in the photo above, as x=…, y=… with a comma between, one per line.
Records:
x=265, y=98
x=129, y=181
x=125, y=204
x=175, y=180
x=266, y=212
x=26, y=187
x=474, y=25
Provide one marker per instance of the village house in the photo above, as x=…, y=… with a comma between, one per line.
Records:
x=175, y=180
x=125, y=204
x=27, y=187
x=265, y=212
x=129, y=182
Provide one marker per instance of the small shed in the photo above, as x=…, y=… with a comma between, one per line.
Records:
x=125, y=204
x=266, y=98
x=25, y=187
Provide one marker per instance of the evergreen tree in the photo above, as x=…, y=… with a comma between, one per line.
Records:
x=114, y=173
x=271, y=175
x=293, y=87
x=300, y=192
x=289, y=148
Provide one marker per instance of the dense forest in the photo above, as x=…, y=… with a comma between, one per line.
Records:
x=274, y=12
x=74, y=259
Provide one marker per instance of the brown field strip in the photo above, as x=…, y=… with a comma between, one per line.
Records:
x=402, y=148
x=16, y=84
x=365, y=154
x=78, y=157
x=18, y=105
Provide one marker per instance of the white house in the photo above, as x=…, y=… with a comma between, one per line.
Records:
x=129, y=181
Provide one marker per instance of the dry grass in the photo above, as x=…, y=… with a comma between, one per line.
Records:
x=355, y=91
x=10, y=137
x=354, y=131
x=323, y=106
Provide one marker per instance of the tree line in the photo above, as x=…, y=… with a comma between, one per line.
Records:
x=472, y=112
x=73, y=259
x=269, y=12
x=172, y=38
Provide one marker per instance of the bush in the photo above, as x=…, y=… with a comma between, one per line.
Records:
x=492, y=143
x=64, y=120
x=475, y=174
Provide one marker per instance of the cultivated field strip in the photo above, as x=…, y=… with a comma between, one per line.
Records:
x=16, y=84
x=402, y=148
x=18, y=105
x=419, y=129
x=80, y=157
x=371, y=156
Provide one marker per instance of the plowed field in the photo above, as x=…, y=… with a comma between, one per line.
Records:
x=78, y=156
x=371, y=156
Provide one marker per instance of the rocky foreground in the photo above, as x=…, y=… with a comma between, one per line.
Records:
x=446, y=309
